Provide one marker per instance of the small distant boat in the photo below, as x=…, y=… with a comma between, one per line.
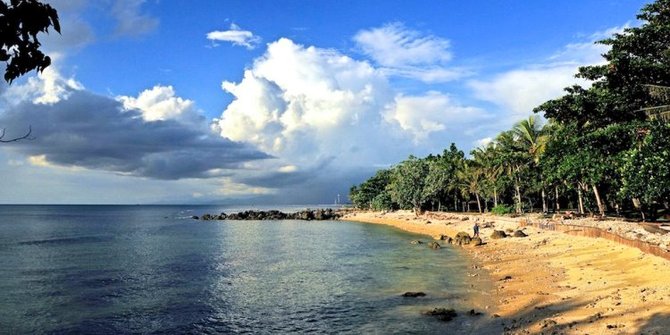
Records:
x=656, y=228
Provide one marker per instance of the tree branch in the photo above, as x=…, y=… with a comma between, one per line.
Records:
x=16, y=139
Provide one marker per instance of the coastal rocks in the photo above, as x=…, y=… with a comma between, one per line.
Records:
x=317, y=214
x=462, y=238
x=519, y=233
x=497, y=234
x=416, y=242
x=442, y=314
x=434, y=245
x=476, y=241
x=413, y=294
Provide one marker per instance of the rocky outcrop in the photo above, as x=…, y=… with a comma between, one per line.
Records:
x=416, y=242
x=434, y=245
x=498, y=234
x=519, y=233
x=442, y=314
x=476, y=241
x=413, y=294
x=462, y=238
x=308, y=214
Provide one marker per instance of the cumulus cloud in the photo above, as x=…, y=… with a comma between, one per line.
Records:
x=429, y=113
x=130, y=20
x=236, y=36
x=331, y=120
x=80, y=129
x=408, y=53
x=161, y=103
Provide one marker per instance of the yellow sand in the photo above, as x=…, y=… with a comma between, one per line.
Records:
x=558, y=283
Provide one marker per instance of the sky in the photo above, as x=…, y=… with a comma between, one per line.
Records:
x=279, y=102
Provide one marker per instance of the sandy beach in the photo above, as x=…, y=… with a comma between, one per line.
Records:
x=552, y=282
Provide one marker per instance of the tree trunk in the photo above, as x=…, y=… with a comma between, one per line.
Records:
x=468, y=206
x=495, y=197
x=581, y=201
x=439, y=205
x=558, y=205
x=517, y=190
x=479, y=204
x=545, y=209
x=601, y=206
x=455, y=202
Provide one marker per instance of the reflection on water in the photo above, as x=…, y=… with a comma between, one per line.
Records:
x=120, y=269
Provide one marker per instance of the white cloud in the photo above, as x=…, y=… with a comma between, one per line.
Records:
x=161, y=103
x=393, y=45
x=235, y=35
x=520, y=90
x=47, y=88
x=430, y=113
x=408, y=53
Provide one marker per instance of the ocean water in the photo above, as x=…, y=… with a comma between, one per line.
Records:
x=151, y=269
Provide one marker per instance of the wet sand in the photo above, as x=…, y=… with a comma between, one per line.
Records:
x=554, y=283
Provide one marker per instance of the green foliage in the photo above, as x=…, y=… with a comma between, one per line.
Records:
x=502, y=209
x=362, y=196
x=20, y=23
x=646, y=167
x=382, y=202
x=408, y=183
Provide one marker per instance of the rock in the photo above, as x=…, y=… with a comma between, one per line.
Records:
x=462, y=238
x=519, y=233
x=207, y=217
x=442, y=314
x=416, y=242
x=498, y=234
x=473, y=313
x=476, y=241
x=434, y=245
x=448, y=240
x=413, y=294
x=441, y=237
x=195, y=217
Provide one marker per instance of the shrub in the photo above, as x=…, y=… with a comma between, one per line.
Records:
x=502, y=209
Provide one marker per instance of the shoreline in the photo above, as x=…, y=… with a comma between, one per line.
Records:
x=553, y=282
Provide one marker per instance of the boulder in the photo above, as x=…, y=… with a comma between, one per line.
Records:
x=416, y=242
x=413, y=294
x=442, y=314
x=498, y=234
x=476, y=241
x=195, y=217
x=462, y=238
x=519, y=233
x=434, y=245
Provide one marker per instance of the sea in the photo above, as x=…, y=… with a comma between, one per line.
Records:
x=93, y=269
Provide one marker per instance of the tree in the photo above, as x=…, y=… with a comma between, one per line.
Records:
x=362, y=196
x=646, y=168
x=533, y=139
x=409, y=180
x=20, y=23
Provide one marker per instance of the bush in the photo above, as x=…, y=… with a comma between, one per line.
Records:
x=382, y=202
x=502, y=209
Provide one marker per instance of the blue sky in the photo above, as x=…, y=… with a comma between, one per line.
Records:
x=279, y=101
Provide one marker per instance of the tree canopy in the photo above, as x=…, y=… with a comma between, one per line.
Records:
x=20, y=23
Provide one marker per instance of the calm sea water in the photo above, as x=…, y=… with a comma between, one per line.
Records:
x=151, y=269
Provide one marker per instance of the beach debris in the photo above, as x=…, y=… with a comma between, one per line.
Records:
x=506, y=278
x=413, y=294
x=434, y=245
x=442, y=314
x=498, y=234
x=416, y=242
x=462, y=238
x=519, y=233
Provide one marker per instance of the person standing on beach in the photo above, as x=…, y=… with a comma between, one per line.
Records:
x=476, y=229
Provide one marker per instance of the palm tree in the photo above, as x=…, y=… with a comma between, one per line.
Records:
x=533, y=139
x=485, y=159
x=511, y=157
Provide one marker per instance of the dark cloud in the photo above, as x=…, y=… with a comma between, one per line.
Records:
x=93, y=131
